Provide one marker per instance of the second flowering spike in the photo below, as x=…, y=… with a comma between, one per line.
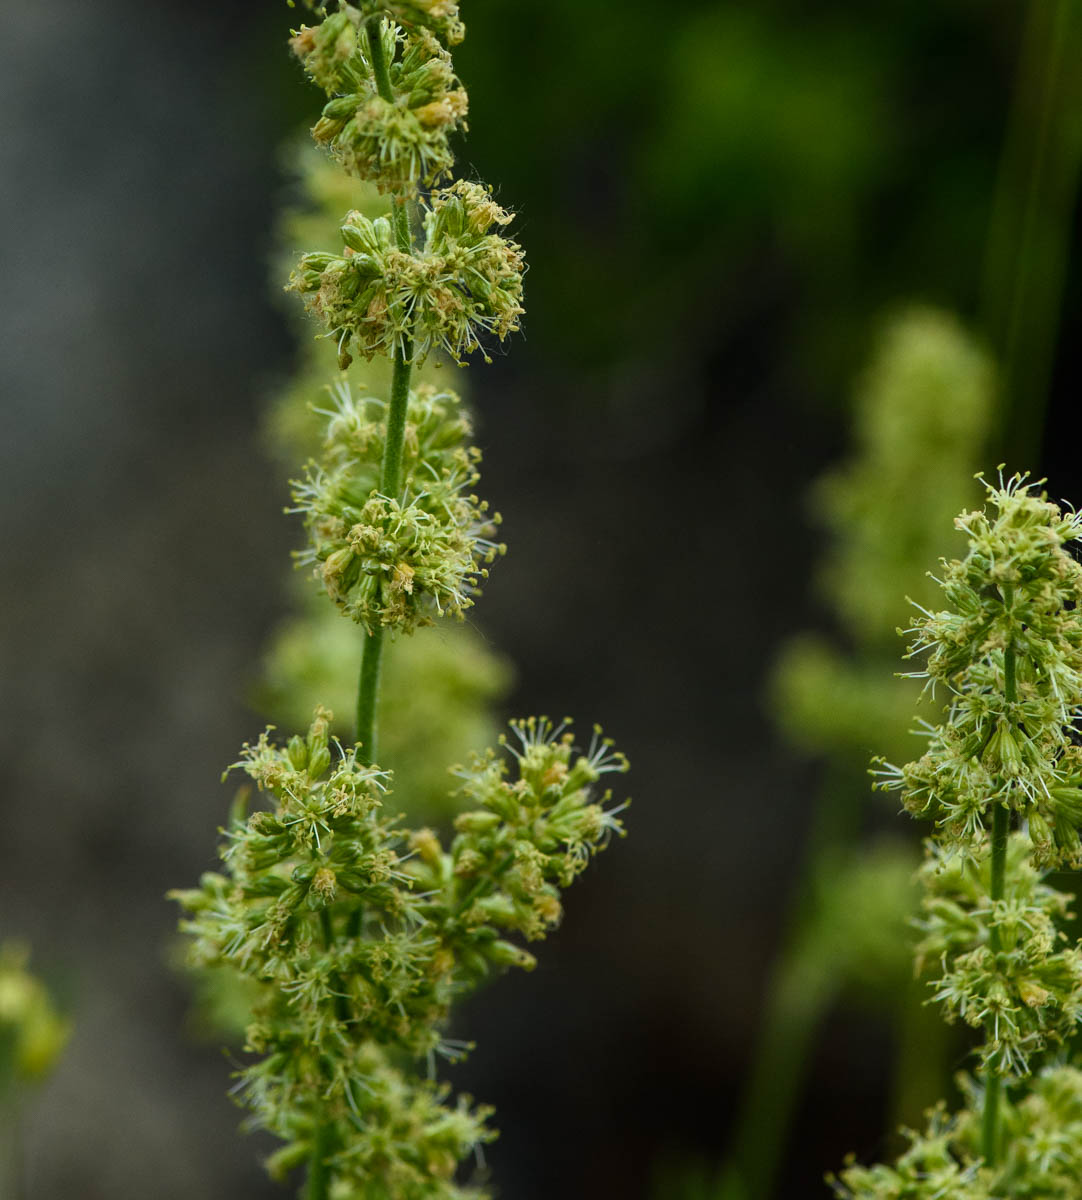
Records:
x=1008, y=649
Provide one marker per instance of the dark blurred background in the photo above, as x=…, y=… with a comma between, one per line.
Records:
x=718, y=202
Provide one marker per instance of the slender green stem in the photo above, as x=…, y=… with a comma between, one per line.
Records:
x=796, y=1002
x=318, y=1175
x=993, y=1088
x=999, y=859
x=801, y=990
x=390, y=477
x=368, y=696
x=993, y=1085
x=326, y=927
x=390, y=483
x=390, y=480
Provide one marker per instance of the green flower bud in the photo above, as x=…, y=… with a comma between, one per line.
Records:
x=477, y=822
x=1068, y=801
x=1003, y=754
x=322, y=889
x=304, y=872
x=499, y=909
x=319, y=761
x=1040, y=833
x=507, y=954
x=298, y=752
x=427, y=845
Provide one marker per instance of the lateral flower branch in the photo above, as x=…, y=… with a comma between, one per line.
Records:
x=1001, y=780
x=355, y=934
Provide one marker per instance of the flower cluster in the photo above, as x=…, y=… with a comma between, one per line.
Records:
x=358, y=935
x=922, y=409
x=440, y=16
x=463, y=285
x=348, y=936
x=1043, y=1142
x=929, y=1169
x=397, y=560
x=1042, y=1151
x=397, y=141
x=1009, y=651
x=1002, y=963
x=521, y=840
x=32, y=1032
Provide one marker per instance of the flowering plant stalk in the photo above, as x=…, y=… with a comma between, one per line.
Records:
x=354, y=934
x=1001, y=782
x=923, y=408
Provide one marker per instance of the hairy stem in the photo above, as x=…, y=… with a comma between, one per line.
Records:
x=1000, y=827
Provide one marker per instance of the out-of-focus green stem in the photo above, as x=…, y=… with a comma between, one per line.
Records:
x=318, y=1175
x=796, y=1002
x=801, y=990
x=1030, y=232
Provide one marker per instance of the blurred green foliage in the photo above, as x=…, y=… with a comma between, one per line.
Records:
x=782, y=166
x=923, y=416
x=33, y=1032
